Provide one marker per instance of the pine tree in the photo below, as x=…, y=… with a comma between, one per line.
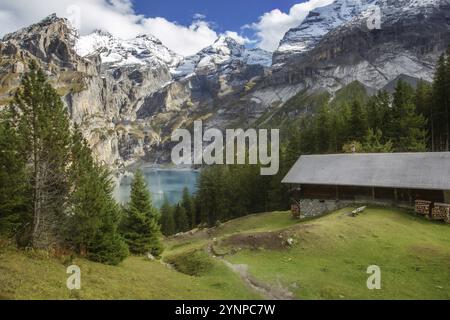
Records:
x=373, y=143
x=422, y=98
x=92, y=226
x=323, y=129
x=14, y=203
x=358, y=122
x=198, y=211
x=447, y=101
x=108, y=246
x=208, y=194
x=181, y=220
x=44, y=138
x=293, y=146
x=407, y=127
x=140, y=227
x=439, y=101
x=423, y=102
x=188, y=206
x=167, y=221
x=378, y=109
x=343, y=118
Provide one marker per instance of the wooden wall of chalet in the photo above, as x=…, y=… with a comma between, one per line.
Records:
x=344, y=193
x=387, y=194
x=428, y=195
x=322, y=192
x=354, y=193
x=318, y=192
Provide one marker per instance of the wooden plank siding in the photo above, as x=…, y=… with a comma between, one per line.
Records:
x=356, y=193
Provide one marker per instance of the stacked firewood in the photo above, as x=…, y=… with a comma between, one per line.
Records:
x=423, y=207
x=441, y=211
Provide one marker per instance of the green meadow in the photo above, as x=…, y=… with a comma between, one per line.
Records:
x=256, y=257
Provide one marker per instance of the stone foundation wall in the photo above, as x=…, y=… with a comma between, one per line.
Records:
x=314, y=208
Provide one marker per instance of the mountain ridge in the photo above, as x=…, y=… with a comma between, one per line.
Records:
x=323, y=20
x=129, y=95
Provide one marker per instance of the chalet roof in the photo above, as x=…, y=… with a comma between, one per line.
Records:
x=394, y=170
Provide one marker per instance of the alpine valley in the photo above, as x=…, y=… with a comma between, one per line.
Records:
x=129, y=95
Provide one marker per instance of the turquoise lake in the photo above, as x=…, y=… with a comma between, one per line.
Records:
x=162, y=183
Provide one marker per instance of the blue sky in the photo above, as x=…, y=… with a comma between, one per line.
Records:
x=226, y=15
x=256, y=23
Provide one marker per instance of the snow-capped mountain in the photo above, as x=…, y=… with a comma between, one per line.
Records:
x=323, y=20
x=223, y=52
x=147, y=51
x=317, y=24
x=408, y=41
x=144, y=50
x=129, y=95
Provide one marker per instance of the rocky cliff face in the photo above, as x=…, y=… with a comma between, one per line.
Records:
x=51, y=43
x=128, y=96
x=100, y=96
x=409, y=41
x=316, y=25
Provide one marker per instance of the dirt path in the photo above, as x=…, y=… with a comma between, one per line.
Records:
x=267, y=291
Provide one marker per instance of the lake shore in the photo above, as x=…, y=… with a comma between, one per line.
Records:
x=163, y=181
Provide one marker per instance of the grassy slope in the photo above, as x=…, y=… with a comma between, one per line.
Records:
x=34, y=276
x=330, y=259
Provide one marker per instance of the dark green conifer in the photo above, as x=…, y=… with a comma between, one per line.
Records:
x=140, y=227
x=168, y=226
x=44, y=138
x=92, y=226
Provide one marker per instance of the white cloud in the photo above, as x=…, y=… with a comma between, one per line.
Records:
x=181, y=39
x=115, y=16
x=119, y=18
x=273, y=25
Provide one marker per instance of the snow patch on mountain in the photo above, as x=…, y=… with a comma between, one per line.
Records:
x=325, y=19
x=318, y=23
x=143, y=50
x=222, y=52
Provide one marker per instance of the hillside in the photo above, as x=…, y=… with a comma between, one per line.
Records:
x=35, y=275
x=129, y=95
x=250, y=258
x=330, y=255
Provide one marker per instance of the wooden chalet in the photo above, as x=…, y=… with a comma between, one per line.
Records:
x=398, y=178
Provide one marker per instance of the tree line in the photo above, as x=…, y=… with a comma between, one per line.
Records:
x=54, y=194
x=409, y=120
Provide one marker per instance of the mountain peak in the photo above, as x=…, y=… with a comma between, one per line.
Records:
x=322, y=20
x=50, y=19
x=103, y=33
x=221, y=54
x=62, y=25
x=318, y=23
x=148, y=37
x=226, y=40
x=114, y=52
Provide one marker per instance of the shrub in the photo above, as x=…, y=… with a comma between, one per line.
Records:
x=194, y=263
